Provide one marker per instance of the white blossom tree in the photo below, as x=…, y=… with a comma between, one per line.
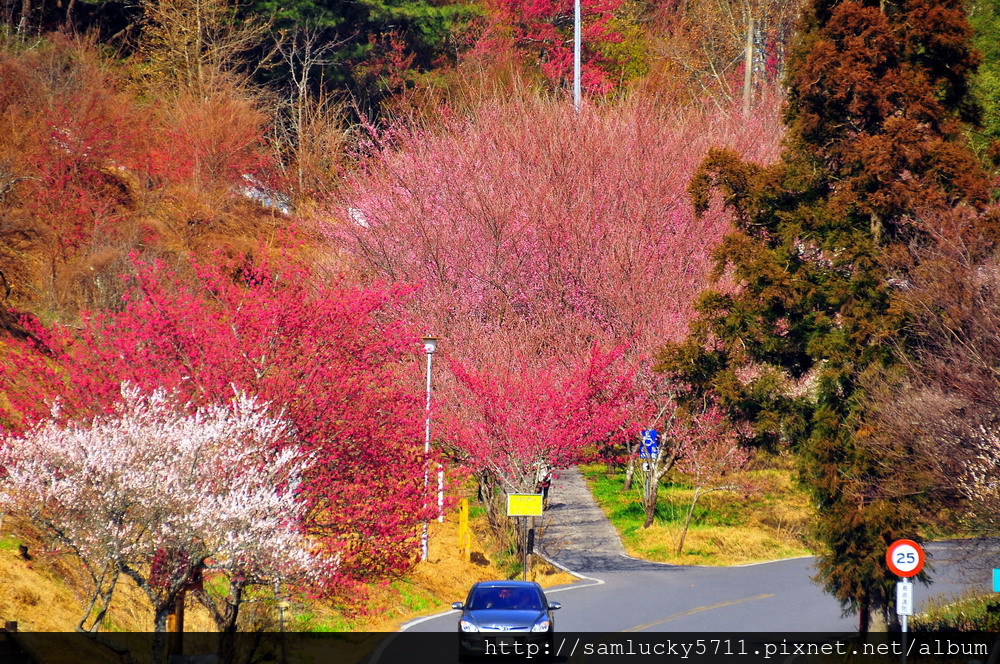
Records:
x=162, y=493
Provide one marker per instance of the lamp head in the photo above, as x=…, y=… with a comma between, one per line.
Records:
x=430, y=344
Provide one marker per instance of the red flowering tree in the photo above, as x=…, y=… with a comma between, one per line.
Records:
x=334, y=358
x=515, y=420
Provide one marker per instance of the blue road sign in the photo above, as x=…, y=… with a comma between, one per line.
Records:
x=650, y=444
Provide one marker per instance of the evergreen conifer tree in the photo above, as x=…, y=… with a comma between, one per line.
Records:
x=878, y=93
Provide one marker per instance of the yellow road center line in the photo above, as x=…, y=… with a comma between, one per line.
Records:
x=699, y=609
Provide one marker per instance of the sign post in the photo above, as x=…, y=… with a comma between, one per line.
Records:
x=905, y=558
x=524, y=505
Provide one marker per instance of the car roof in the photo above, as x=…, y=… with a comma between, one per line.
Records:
x=506, y=584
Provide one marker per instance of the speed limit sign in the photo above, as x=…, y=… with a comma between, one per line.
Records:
x=905, y=558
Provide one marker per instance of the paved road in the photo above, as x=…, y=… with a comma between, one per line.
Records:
x=618, y=593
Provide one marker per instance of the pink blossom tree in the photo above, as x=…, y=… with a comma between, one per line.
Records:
x=537, y=234
x=529, y=226
x=160, y=491
x=334, y=358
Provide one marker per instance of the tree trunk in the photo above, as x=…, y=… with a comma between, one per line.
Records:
x=629, y=473
x=22, y=24
x=864, y=615
x=225, y=612
x=649, y=516
x=199, y=49
x=227, y=646
x=160, y=614
x=892, y=623
x=488, y=495
x=649, y=496
x=227, y=625
x=687, y=521
x=104, y=594
x=300, y=123
x=748, y=69
x=68, y=24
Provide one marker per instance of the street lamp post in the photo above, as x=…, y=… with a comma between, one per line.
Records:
x=430, y=345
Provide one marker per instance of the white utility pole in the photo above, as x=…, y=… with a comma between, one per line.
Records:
x=576, y=55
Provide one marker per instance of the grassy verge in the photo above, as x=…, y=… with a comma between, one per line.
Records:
x=978, y=613
x=727, y=528
x=9, y=543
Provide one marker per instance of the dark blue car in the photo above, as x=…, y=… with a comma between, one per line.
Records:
x=499, y=617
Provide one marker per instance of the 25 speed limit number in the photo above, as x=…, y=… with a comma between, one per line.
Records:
x=905, y=558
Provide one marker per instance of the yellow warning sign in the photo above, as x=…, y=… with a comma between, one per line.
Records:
x=524, y=504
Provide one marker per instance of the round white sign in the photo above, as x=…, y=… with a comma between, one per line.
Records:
x=905, y=558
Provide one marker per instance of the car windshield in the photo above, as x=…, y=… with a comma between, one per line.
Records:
x=505, y=598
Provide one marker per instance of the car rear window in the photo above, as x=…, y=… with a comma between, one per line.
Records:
x=505, y=598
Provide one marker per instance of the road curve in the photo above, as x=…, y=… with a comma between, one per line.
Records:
x=619, y=593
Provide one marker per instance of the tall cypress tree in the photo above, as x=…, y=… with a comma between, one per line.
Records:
x=878, y=94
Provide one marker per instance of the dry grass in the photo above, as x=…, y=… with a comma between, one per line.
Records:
x=46, y=594
x=32, y=595
x=43, y=595
x=713, y=545
x=728, y=528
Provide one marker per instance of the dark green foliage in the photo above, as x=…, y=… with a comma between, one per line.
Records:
x=877, y=96
x=377, y=39
x=985, y=18
x=107, y=19
x=426, y=24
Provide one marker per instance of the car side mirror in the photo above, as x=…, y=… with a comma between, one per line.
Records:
x=554, y=605
x=458, y=606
